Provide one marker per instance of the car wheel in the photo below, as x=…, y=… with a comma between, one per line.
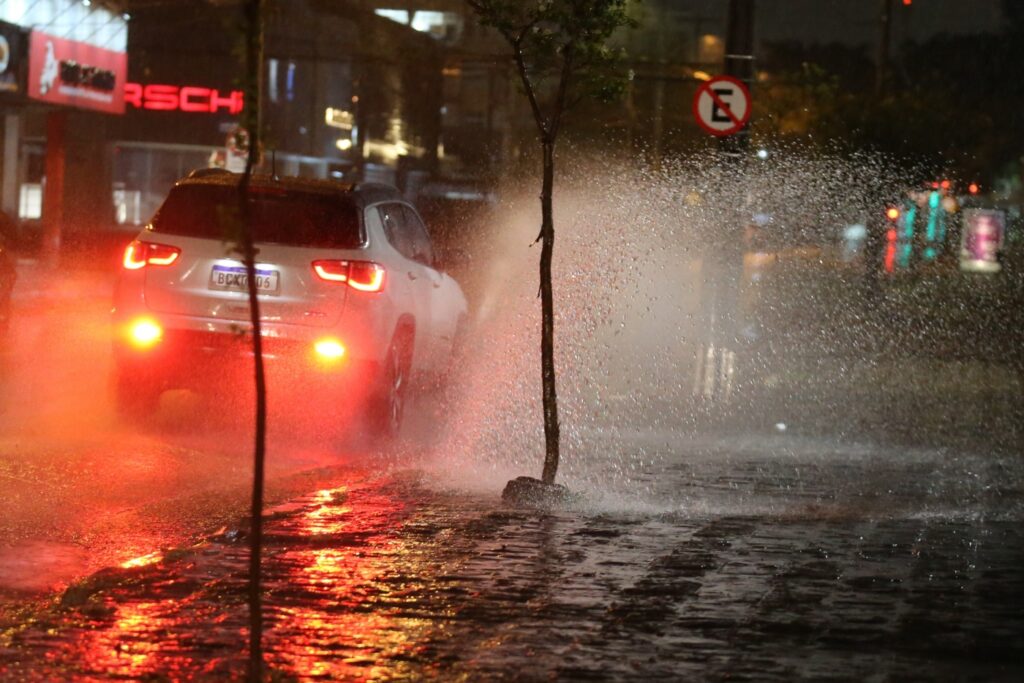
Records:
x=388, y=411
x=135, y=397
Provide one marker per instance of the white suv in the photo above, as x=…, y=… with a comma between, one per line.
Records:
x=351, y=298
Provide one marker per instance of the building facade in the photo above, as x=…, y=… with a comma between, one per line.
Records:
x=65, y=68
x=347, y=94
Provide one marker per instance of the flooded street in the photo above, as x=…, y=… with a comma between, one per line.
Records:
x=762, y=571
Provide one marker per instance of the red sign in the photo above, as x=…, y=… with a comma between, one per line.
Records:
x=722, y=105
x=188, y=98
x=77, y=74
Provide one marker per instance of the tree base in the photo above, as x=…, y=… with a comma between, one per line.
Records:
x=531, y=492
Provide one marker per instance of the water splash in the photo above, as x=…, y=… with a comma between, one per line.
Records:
x=638, y=255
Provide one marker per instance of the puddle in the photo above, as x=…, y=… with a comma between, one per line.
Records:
x=39, y=566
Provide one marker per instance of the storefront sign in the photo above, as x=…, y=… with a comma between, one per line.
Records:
x=11, y=58
x=77, y=74
x=982, y=240
x=187, y=98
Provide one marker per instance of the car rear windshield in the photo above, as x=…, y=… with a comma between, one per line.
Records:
x=277, y=216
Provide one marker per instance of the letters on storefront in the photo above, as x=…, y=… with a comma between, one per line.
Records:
x=187, y=98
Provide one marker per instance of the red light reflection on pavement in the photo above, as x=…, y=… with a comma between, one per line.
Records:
x=136, y=644
x=337, y=609
x=345, y=599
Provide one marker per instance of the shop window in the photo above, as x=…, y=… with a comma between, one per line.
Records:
x=289, y=83
x=272, y=80
x=30, y=202
x=127, y=205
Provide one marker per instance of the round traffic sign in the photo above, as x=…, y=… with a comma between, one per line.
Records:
x=722, y=105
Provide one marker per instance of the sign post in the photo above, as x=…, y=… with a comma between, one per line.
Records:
x=722, y=108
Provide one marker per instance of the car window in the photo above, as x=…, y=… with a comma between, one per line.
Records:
x=292, y=217
x=374, y=221
x=423, y=250
x=394, y=229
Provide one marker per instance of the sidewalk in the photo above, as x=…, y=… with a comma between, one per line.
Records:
x=385, y=579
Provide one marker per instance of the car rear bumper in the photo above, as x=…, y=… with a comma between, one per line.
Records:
x=363, y=332
x=183, y=358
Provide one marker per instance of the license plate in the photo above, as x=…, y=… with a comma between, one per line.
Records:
x=235, y=279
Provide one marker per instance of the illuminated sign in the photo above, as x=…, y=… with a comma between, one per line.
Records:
x=11, y=58
x=186, y=98
x=337, y=118
x=70, y=72
x=982, y=240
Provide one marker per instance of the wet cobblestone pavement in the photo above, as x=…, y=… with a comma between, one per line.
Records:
x=386, y=578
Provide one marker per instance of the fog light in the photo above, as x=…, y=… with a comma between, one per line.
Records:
x=329, y=349
x=145, y=332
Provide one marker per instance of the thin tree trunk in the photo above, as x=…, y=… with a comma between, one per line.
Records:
x=253, y=65
x=547, y=343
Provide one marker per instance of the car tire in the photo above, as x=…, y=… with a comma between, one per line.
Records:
x=134, y=397
x=387, y=410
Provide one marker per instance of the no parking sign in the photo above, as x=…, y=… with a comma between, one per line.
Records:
x=722, y=105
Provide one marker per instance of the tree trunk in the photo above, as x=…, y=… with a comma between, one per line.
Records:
x=253, y=64
x=547, y=343
x=259, y=452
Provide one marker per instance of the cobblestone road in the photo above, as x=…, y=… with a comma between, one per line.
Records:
x=384, y=578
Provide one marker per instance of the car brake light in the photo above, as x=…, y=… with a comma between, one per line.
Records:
x=332, y=271
x=139, y=254
x=366, y=276
x=132, y=254
x=145, y=332
x=162, y=255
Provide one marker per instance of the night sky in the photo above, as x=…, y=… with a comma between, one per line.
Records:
x=856, y=21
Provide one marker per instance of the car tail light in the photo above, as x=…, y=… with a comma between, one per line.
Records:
x=366, y=276
x=145, y=332
x=329, y=349
x=139, y=254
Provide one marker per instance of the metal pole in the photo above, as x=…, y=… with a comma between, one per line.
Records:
x=739, y=62
x=725, y=259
